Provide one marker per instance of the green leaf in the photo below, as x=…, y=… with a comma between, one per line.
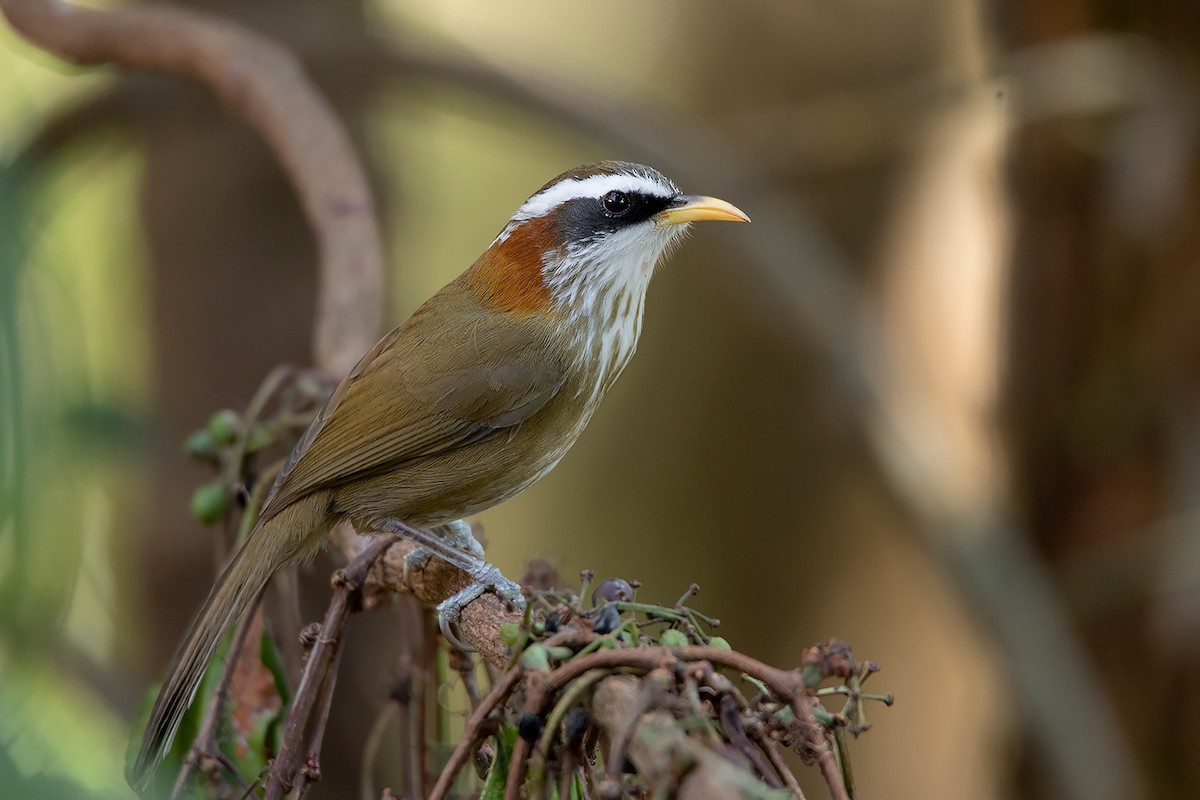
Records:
x=493, y=788
x=272, y=659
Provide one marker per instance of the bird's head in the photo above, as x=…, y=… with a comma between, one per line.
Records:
x=587, y=242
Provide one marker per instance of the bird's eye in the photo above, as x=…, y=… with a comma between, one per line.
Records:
x=615, y=203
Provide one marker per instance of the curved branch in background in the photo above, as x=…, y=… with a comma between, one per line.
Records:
x=265, y=85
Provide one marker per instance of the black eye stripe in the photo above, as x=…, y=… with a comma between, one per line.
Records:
x=586, y=218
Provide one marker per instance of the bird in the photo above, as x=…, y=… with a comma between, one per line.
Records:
x=470, y=401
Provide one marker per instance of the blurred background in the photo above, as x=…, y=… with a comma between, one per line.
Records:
x=941, y=399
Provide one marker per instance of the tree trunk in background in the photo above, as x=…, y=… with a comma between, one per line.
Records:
x=1104, y=343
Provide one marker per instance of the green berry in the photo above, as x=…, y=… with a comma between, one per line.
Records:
x=210, y=503
x=535, y=657
x=673, y=638
x=201, y=446
x=259, y=438
x=811, y=673
x=223, y=426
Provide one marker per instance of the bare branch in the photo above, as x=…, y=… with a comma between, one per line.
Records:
x=321, y=666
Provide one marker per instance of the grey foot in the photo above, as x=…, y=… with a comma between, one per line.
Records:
x=457, y=534
x=456, y=544
x=485, y=577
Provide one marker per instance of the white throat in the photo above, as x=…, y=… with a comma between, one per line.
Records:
x=601, y=286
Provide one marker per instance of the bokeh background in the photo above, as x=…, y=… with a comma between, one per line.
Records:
x=940, y=399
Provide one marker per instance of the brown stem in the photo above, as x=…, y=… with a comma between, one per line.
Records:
x=464, y=665
x=319, y=661
x=735, y=733
x=773, y=755
x=265, y=85
x=409, y=695
x=785, y=684
x=567, y=773
x=347, y=582
x=818, y=745
x=516, y=770
x=311, y=773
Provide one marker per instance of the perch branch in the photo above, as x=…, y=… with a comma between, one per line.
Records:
x=478, y=624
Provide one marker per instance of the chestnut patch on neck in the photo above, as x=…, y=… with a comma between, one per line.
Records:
x=509, y=275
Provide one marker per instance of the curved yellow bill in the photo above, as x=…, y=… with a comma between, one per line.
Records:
x=697, y=208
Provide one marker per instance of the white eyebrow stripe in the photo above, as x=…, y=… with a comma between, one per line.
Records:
x=594, y=186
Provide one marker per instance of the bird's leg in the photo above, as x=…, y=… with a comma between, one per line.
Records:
x=456, y=544
x=457, y=535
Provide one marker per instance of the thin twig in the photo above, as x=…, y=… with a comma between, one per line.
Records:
x=370, y=750
x=464, y=665
x=432, y=677
x=843, y=760
x=232, y=473
x=776, y=759
x=566, y=775
x=516, y=769
x=347, y=582
x=735, y=733
x=311, y=773
x=818, y=746
x=569, y=698
x=409, y=698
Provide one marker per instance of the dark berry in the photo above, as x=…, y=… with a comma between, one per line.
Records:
x=608, y=621
x=612, y=589
x=529, y=727
x=575, y=725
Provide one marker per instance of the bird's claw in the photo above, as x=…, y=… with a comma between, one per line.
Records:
x=485, y=577
x=455, y=544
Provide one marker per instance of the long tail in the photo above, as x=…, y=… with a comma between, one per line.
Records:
x=293, y=533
